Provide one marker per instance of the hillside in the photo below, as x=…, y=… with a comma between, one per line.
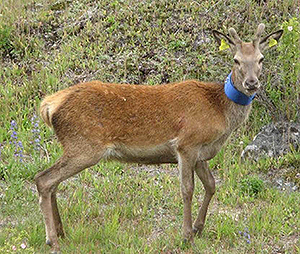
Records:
x=46, y=46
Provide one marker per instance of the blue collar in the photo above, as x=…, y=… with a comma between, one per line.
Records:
x=235, y=95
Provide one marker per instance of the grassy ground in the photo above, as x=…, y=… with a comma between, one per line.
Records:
x=116, y=208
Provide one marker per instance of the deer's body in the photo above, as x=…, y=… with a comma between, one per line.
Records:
x=144, y=124
x=185, y=123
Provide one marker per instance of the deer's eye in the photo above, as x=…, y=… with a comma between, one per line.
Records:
x=236, y=61
x=261, y=60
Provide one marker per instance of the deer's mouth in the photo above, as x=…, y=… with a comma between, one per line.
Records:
x=252, y=89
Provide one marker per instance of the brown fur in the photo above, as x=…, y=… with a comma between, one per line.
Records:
x=185, y=123
x=136, y=114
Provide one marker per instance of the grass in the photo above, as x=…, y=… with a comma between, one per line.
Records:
x=46, y=46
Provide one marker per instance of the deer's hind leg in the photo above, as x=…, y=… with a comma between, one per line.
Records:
x=56, y=216
x=47, y=182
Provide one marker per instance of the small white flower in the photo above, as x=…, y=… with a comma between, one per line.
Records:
x=290, y=28
x=23, y=246
x=14, y=247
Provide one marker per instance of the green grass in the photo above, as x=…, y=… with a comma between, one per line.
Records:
x=49, y=45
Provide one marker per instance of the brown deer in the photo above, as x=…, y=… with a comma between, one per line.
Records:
x=185, y=123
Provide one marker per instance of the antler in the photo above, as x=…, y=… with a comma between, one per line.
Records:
x=260, y=30
x=234, y=36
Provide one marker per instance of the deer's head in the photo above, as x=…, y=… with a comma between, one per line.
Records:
x=248, y=57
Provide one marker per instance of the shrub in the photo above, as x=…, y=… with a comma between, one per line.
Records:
x=5, y=42
x=284, y=91
x=251, y=186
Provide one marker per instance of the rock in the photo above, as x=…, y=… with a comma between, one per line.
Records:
x=274, y=140
x=285, y=186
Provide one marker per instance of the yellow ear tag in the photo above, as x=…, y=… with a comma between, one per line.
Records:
x=272, y=43
x=223, y=45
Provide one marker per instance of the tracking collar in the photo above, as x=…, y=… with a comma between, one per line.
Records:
x=235, y=95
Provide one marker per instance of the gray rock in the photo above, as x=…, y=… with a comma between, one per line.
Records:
x=274, y=140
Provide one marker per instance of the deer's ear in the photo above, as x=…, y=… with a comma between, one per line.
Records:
x=223, y=40
x=271, y=40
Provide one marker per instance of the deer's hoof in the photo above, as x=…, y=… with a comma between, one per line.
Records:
x=197, y=231
x=187, y=243
x=188, y=239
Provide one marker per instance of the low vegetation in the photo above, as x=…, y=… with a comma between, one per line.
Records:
x=49, y=45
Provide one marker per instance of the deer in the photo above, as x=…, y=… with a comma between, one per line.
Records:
x=185, y=123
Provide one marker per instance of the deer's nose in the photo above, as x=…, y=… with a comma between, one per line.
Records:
x=251, y=84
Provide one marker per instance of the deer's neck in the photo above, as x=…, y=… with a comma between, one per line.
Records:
x=239, y=105
x=236, y=115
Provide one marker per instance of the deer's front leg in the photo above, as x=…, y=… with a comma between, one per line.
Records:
x=186, y=167
x=208, y=181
